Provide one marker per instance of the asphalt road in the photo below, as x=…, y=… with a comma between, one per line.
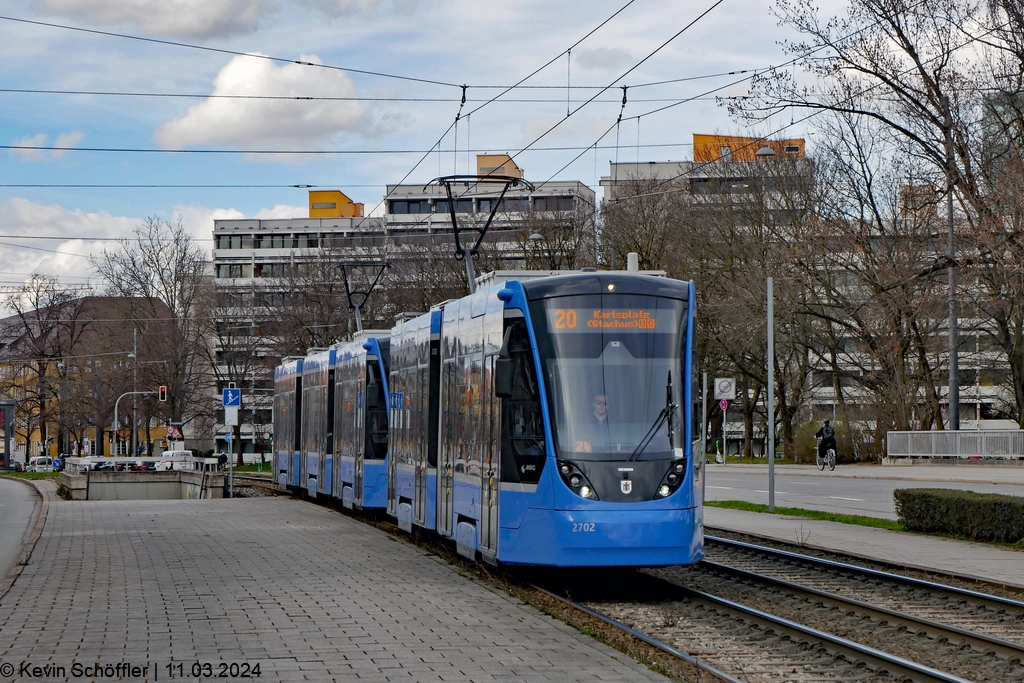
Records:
x=808, y=488
x=17, y=501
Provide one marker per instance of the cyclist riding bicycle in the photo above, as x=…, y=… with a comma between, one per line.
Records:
x=828, y=440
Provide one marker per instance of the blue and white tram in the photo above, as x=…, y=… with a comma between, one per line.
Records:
x=536, y=422
x=287, y=421
x=360, y=422
x=548, y=422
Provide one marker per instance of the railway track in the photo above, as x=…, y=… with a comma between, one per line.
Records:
x=758, y=614
x=265, y=485
x=996, y=618
x=728, y=641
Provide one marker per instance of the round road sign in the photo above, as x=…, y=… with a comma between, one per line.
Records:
x=723, y=404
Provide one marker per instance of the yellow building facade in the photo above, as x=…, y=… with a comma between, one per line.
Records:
x=710, y=148
x=333, y=204
x=497, y=164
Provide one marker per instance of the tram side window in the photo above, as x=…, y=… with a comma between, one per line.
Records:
x=522, y=428
x=376, y=415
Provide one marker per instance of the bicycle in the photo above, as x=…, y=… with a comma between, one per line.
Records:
x=829, y=459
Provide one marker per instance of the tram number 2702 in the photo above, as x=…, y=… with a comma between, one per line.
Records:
x=583, y=526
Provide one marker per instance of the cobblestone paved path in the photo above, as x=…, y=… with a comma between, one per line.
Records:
x=305, y=592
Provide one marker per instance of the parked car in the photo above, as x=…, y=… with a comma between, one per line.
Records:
x=18, y=467
x=40, y=463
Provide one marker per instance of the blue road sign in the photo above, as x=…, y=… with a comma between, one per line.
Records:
x=232, y=398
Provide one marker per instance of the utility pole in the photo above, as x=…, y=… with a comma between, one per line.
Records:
x=135, y=381
x=771, y=396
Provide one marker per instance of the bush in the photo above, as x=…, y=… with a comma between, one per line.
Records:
x=979, y=516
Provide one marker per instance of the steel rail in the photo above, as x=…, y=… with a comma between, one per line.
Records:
x=979, y=641
x=875, y=659
x=654, y=642
x=992, y=601
x=265, y=482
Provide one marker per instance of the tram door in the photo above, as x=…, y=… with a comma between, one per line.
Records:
x=420, y=431
x=359, y=441
x=446, y=459
x=489, y=471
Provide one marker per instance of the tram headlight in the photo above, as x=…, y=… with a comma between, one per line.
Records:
x=672, y=479
x=576, y=480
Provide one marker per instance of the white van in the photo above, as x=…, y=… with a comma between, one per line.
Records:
x=175, y=460
x=40, y=463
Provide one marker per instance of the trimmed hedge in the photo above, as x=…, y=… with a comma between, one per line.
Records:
x=980, y=516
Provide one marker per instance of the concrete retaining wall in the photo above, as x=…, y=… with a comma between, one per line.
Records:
x=142, y=485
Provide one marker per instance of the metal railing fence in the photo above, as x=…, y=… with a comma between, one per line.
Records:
x=985, y=443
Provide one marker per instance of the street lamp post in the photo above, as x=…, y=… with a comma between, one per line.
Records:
x=534, y=240
x=953, y=336
x=135, y=377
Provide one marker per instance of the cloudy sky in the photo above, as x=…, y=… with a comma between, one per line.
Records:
x=378, y=82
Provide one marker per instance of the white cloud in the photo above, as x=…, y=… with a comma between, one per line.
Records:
x=30, y=154
x=56, y=258
x=603, y=59
x=39, y=140
x=67, y=259
x=579, y=129
x=342, y=7
x=66, y=140
x=282, y=211
x=192, y=18
x=250, y=124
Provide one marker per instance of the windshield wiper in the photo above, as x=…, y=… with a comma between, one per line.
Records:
x=667, y=414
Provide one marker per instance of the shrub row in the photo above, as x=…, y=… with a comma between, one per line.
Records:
x=980, y=516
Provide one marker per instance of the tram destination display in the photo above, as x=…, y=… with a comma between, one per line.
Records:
x=590, y=319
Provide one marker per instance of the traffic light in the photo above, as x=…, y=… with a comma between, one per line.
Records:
x=163, y=393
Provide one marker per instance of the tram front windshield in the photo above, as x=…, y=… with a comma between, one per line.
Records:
x=608, y=362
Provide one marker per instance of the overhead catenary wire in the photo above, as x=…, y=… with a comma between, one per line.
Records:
x=70, y=238
x=312, y=152
x=495, y=98
x=621, y=76
x=218, y=50
x=312, y=98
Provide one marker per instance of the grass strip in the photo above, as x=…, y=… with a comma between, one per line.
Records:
x=859, y=520
x=32, y=475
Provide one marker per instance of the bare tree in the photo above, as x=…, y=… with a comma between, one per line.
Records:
x=638, y=221
x=559, y=240
x=941, y=82
x=875, y=272
x=160, y=272
x=47, y=323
